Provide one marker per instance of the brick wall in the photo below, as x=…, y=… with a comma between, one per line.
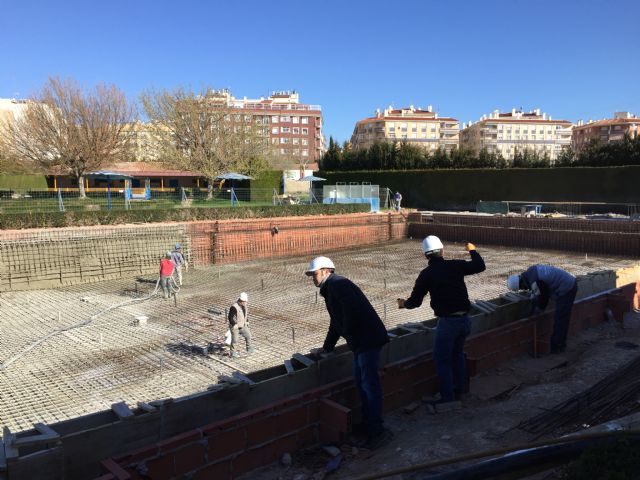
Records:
x=49, y=258
x=575, y=235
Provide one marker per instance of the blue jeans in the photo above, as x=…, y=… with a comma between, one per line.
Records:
x=564, y=305
x=365, y=373
x=448, y=353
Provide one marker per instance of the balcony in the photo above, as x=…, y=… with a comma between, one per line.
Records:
x=449, y=130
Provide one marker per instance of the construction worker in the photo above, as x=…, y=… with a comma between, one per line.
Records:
x=397, y=200
x=239, y=324
x=544, y=282
x=353, y=318
x=444, y=281
x=179, y=261
x=166, y=272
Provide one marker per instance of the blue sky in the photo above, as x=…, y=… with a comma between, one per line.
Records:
x=573, y=59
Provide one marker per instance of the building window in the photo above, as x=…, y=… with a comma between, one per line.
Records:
x=274, y=119
x=305, y=120
x=286, y=130
x=296, y=141
x=274, y=141
x=275, y=130
x=247, y=118
x=285, y=140
x=305, y=141
x=305, y=153
x=295, y=119
x=305, y=131
x=283, y=151
x=285, y=119
x=296, y=130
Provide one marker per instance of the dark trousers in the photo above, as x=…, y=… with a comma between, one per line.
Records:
x=562, y=316
x=448, y=353
x=365, y=373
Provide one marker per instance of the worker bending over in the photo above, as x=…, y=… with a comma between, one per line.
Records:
x=544, y=282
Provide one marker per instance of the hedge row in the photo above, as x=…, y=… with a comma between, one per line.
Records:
x=462, y=189
x=87, y=218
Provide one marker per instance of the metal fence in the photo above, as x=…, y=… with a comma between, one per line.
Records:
x=51, y=200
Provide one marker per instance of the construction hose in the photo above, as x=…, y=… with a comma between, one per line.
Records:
x=83, y=323
x=500, y=451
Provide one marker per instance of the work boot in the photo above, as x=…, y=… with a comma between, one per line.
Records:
x=250, y=350
x=381, y=439
x=234, y=355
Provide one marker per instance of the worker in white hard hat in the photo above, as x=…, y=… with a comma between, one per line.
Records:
x=545, y=282
x=353, y=318
x=444, y=281
x=179, y=261
x=166, y=272
x=239, y=324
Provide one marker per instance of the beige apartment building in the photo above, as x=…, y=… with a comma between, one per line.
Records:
x=413, y=125
x=506, y=133
x=606, y=131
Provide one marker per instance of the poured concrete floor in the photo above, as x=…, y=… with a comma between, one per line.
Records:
x=111, y=358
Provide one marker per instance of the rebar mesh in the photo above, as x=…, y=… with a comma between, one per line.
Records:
x=114, y=359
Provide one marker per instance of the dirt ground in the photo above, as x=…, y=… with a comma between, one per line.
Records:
x=499, y=400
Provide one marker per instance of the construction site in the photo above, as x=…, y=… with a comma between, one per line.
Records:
x=101, y=377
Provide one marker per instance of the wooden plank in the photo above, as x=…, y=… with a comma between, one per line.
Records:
x=146, y=407
x=306, y=361
x=44, y=429
x=122, y=410
x=289, y=367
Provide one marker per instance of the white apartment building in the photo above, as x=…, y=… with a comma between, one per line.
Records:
x=506, y=133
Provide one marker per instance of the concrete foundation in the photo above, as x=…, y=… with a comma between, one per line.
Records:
x=269, y=403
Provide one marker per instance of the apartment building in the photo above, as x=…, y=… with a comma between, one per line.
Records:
x=413, y=125
x=294, y=129
x=607, y=130
x=508, y=132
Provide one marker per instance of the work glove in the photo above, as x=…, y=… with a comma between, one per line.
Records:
x=400, y=302
x=470, y=246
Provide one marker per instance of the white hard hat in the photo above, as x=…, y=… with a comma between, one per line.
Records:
x=168, y=254
x=513, y=282
x=244, y=297
x=318, y=263
x=431, y=243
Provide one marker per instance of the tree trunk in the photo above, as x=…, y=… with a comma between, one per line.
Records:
x=210, y=189
x=83, y=195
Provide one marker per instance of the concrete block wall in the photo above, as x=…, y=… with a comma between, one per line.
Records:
x=576, y=235
x=49, y=258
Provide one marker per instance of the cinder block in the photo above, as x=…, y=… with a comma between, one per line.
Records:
x=189, y=458
x=261, y=431
x=336, y=415
x=161, y=468
x=292, y=420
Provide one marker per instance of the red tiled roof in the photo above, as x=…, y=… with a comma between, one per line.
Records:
x=609, y=121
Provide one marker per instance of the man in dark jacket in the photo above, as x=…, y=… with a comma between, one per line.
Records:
x=444, y=281
x=544, y=282
x=354, y=319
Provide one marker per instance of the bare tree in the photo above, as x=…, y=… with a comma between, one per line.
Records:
x=64, y=127
x=200, y=132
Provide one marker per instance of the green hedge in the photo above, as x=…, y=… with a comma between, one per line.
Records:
x=23, y=182
x=262, y=187
x=462, y=189
x=71, y=219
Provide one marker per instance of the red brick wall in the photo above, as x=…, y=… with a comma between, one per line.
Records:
x=576, y=235
x=231, y=241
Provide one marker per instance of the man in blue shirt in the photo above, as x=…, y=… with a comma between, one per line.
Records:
x=545, y=282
